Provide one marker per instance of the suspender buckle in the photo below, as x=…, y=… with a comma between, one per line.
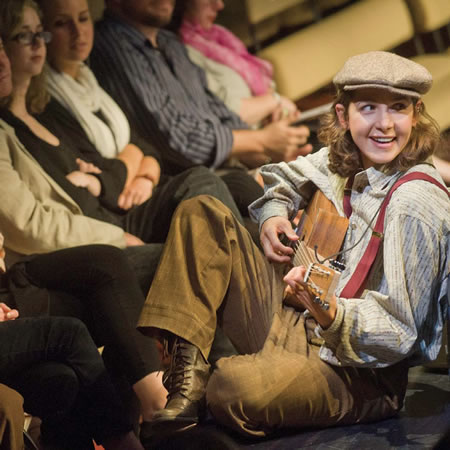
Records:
x=377, y=234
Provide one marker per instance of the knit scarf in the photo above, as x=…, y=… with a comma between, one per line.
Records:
x=84, y=97
x=224, y=47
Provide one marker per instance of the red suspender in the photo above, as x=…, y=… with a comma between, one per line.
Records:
x=355, y=285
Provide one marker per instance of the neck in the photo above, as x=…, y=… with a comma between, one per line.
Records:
x=72, y=69
x=151, y=33
x=18, y=104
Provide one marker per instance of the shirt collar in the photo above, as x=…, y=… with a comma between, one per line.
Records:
x=378, y=179
x=135, y=36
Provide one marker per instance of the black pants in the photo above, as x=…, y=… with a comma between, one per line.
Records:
x=151, y=220
x=96, y=284
x=54, y=364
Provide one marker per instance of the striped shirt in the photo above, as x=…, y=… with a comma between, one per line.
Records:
x=403, y=307
x=164, y=93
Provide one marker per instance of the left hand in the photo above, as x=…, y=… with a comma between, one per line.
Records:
x=139, y=191
x=299, y=289
x=6, y=313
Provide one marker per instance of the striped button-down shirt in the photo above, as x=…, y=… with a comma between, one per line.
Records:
x=403, y=307
x=163, y=93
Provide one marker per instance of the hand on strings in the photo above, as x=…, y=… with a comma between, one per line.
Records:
x=299, y=289
x=274, y=249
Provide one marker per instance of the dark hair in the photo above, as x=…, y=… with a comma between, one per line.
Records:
x=344, y=156
x=11, y=17
x=177, y=15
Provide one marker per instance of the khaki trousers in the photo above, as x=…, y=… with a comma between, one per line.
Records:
x=11, y=419
x=211, y=272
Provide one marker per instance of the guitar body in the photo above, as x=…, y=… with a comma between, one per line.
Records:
x=321, y=225
x=321, y=228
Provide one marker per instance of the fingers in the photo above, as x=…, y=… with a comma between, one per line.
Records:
x=273, y=248
x=6, y=313
x=86, y=167
x=126, y=200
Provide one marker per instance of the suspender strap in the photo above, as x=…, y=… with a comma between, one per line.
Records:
x=355, y=286
x=347, y=196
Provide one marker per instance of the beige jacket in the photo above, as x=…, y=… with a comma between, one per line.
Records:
x=36, y=215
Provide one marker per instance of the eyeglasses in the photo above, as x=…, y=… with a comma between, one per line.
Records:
x=30, y=38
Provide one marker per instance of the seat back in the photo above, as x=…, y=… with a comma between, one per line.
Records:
x=429, y=15
x=308, y=59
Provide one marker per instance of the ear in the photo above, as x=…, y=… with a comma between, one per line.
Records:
x=340, y=112
x=417, y=111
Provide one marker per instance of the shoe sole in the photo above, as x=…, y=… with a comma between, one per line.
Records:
x=170, y=426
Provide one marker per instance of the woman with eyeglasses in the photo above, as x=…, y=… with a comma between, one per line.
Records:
x=97, y=284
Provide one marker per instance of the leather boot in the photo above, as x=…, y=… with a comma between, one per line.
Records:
x=186, y=383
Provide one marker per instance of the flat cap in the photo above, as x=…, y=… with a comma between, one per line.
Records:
x=384, y=70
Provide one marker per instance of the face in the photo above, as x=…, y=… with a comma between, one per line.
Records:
x=380, y=124
x=70, y=23
x=151, y=13
x=5, y=73
x=203, y=12
x=26, y=60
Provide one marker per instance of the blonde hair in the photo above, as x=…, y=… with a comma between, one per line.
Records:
x=11, y=17
x=344, y=155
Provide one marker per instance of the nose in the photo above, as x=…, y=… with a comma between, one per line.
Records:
x=384, y=119
x=75, y=29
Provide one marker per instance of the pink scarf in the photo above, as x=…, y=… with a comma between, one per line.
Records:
x=224, y=47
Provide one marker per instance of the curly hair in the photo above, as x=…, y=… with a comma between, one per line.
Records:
x=344, y=155
x=11, y=17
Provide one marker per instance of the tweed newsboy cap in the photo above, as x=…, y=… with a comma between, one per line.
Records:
x=384, y=70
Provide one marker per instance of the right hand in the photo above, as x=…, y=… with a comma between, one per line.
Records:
x=283, y=142
x=273, y=248
x=6, y=313
x=132, y=241
x=86, y=167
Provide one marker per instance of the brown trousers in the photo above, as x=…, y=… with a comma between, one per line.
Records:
x=211, y=272
x=11, y=419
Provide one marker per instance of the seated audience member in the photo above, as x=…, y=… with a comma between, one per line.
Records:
x=11, y=419
x=310, y=359
x=96, y=285
x=76, y=404
x=85, y=112
x=148, y=222
x=241, y=80
x=147, y=70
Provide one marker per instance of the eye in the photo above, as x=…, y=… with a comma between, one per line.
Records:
x=84, y=18
x=366, y=107
x=59, y=23
x=399, y=106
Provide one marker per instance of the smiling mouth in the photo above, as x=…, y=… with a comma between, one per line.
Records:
x=383, y=140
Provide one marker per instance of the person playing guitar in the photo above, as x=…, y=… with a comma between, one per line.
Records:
x=312, y=353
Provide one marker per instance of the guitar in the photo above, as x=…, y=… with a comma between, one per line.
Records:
x=321, y=232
